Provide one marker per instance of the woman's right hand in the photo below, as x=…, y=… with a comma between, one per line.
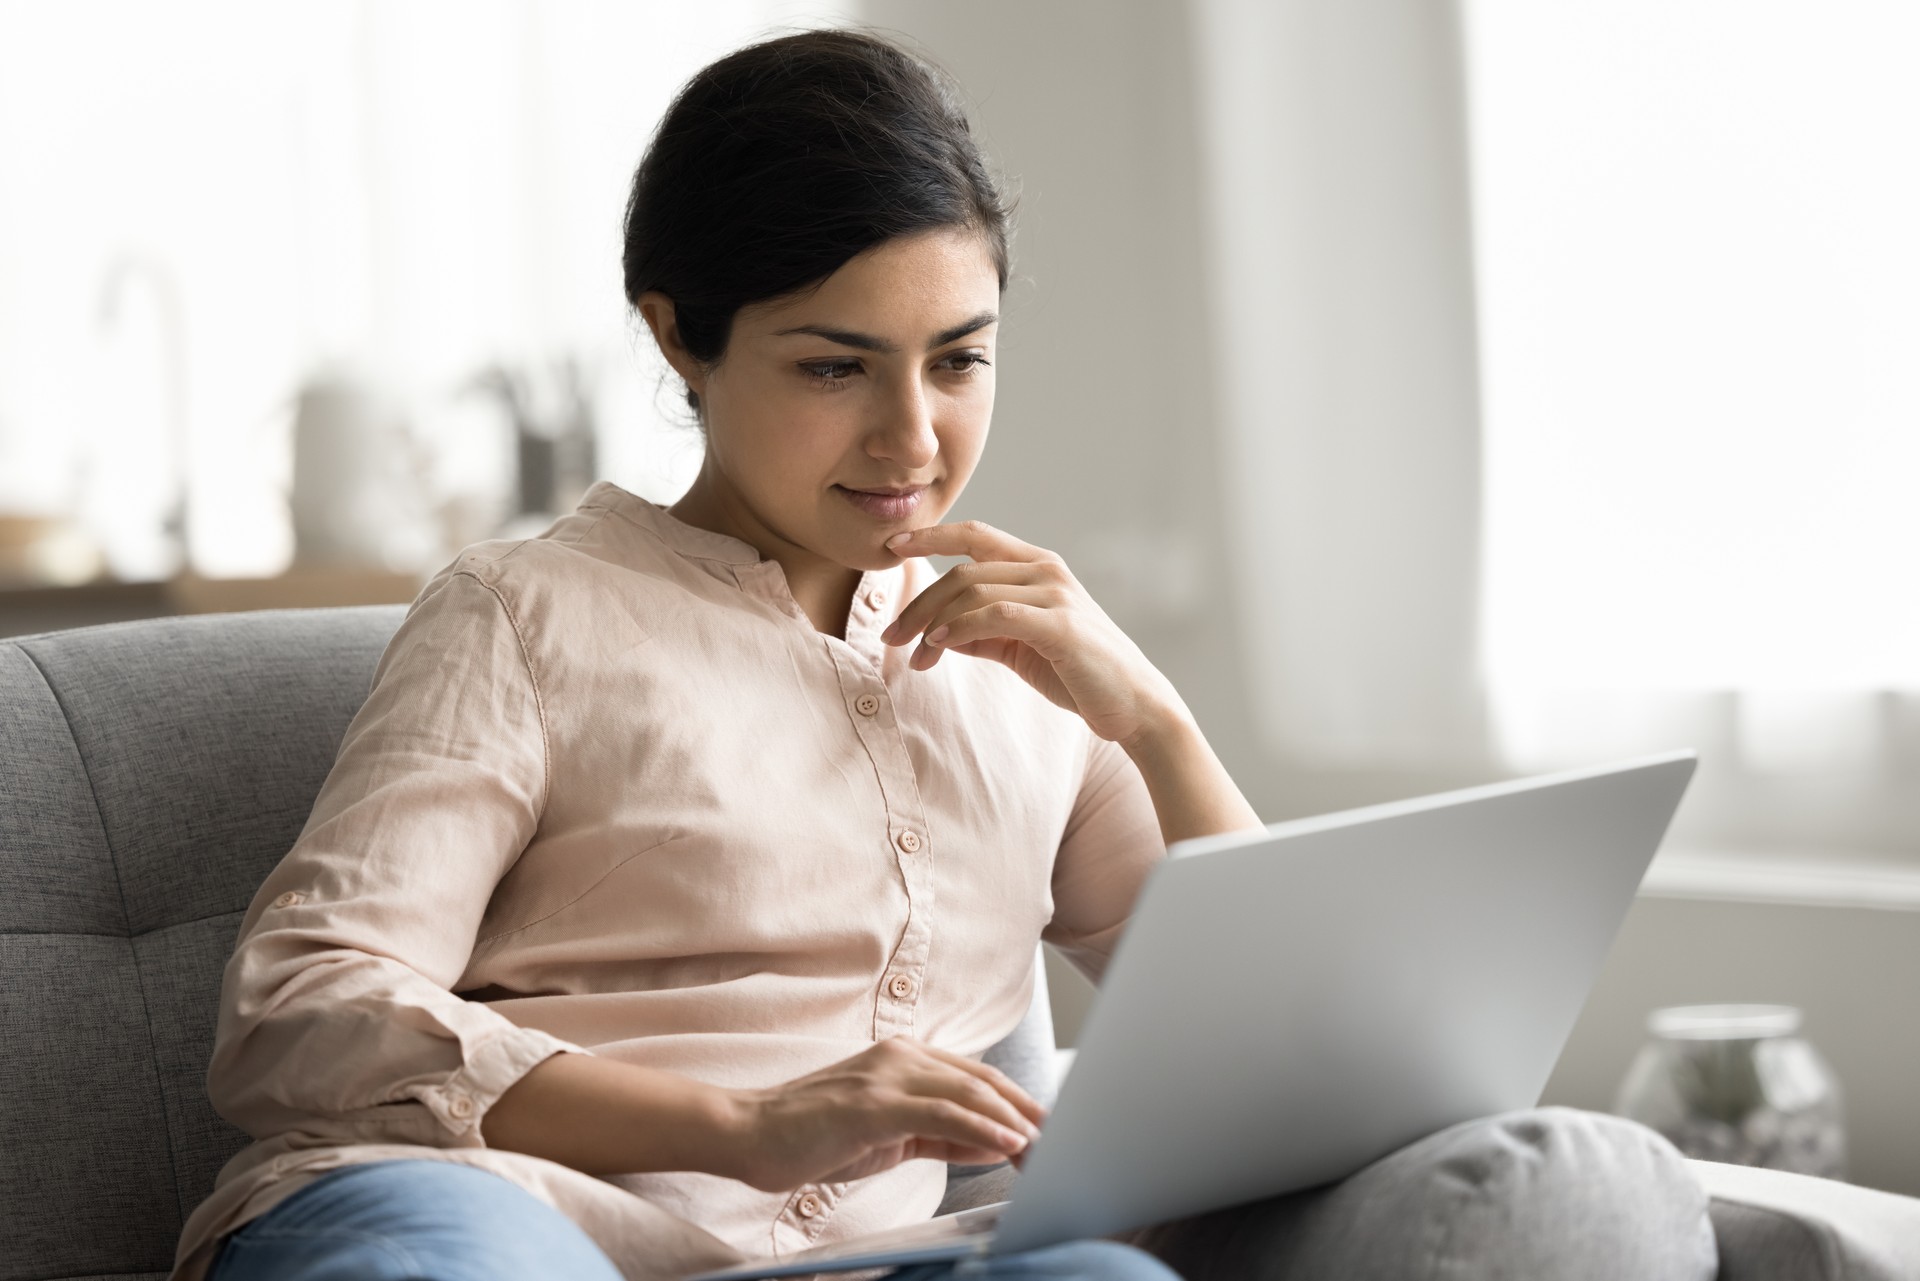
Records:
x=899, y=1101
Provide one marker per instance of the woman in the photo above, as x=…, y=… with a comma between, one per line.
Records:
x=682, y=862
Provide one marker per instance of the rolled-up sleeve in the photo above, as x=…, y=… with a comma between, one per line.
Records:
x=1111, y=841
x=336, y=1008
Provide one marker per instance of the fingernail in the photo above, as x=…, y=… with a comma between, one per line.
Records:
x=898, y=539
x=936, y=636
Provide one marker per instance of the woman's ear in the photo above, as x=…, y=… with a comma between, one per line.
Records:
x=657, y=310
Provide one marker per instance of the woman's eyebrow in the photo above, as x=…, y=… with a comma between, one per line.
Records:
x=867, y=342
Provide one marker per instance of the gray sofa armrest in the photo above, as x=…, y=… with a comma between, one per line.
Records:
x=1790, y=1227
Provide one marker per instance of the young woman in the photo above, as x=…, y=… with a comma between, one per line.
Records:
x=682, y=863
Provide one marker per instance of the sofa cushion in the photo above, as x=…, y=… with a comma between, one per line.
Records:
x=55, y=875
x=154, y=773
x=86, y=1167
x=1788, y=1227
x=1550, y=1194
x=205, y=740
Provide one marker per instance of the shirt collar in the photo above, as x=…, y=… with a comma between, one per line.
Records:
x=688, y=540
x=876, y=600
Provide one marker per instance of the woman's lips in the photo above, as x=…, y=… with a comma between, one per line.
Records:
x=883, y=504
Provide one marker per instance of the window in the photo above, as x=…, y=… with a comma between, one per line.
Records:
x=1699, y=292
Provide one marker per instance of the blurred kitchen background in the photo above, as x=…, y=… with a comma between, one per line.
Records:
x=1438, y=391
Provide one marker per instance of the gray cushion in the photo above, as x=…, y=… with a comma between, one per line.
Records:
x=181, y=1014
x=154, y=773
x=86, y=1170
x=55, y=876
x=205, y=740
x=1551, y=1194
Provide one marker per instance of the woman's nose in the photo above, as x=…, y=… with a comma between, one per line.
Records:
x=905, y=435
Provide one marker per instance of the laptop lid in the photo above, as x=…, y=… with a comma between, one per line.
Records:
x=1289, y=1005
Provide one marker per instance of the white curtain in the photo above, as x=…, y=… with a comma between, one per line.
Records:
x=1699, y=265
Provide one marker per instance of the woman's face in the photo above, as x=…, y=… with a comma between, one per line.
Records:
x=840, y=418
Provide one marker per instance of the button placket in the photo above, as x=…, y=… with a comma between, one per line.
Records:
x=870, y=618
x=906, y=834
x=900, y=983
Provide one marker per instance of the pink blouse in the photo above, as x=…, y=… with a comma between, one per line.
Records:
x=612, y=793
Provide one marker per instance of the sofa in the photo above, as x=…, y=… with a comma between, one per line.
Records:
x=154, y=773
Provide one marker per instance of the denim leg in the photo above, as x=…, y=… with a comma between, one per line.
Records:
x=412, y=1220
x=1073, y=1261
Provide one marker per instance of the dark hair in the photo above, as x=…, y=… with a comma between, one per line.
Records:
x=776, y=164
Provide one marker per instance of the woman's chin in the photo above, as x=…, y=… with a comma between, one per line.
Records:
x=865, y=548
x=862, y=552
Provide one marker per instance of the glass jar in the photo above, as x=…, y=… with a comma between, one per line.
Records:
x=1736, y=1083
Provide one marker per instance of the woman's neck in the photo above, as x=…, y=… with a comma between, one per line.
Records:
x=823, y=589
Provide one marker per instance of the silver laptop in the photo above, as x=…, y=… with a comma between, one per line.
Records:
x=1287, y=1006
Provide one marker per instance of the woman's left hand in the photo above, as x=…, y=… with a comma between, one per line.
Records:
x=1019, y=605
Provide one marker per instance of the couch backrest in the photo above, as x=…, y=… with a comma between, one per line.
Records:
x=154, y=773
x=151, y=775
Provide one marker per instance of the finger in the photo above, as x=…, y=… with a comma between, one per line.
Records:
x=971, y=538
x=946, y=1121
x=1005, y=652
x=944, y=589
x=1009, y=1088
x=983, y=596
x=970, y=1090
x=1039, y=628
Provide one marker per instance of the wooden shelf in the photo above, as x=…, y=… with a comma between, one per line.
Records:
x=28, y=609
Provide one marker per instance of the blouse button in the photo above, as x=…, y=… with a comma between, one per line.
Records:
x=876, y=598
x=910, y=842
x=900, y=986
x=461, y=1106
x=809, y=1206
x=866, y=705
x=288, y=899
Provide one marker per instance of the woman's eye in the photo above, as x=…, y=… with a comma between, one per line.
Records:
x=834, y=373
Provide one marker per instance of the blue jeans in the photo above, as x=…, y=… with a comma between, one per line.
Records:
x=440, y=1221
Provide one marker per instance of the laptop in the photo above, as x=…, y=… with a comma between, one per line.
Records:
x=1288, y=1006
